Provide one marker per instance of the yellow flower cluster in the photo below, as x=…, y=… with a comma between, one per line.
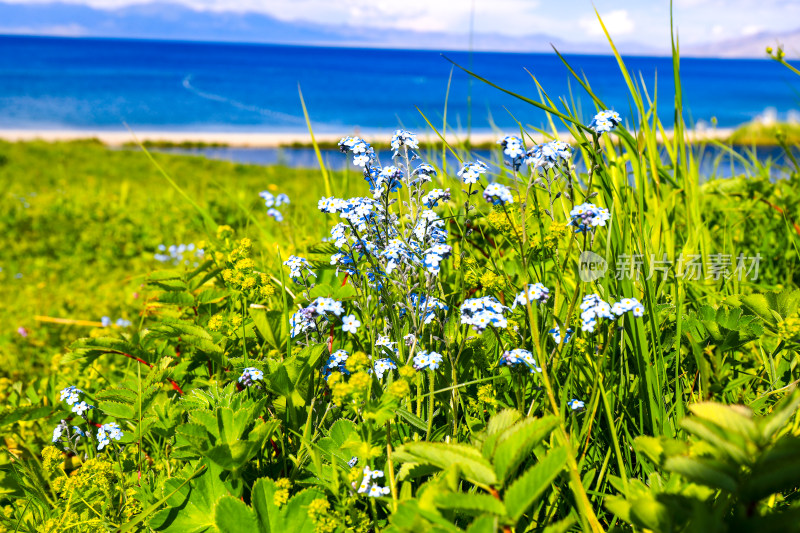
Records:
x=547, y=246
x=355, y=389
x=96, y=473
x=499, y=222
x=789, y=328
x=227, y=323
x=491, y=281
x=52, y=459
x=487, y=395
x=281, y=495
x=238, y=268
x=319, y=512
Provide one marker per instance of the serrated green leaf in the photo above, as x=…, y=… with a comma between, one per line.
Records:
x=117, y=410
x=495, y=428
x=212, y=296
x=530, y=486
x=516, y=443
x=472, y=465
x=474, y=504
x=120, y=395
x=233, y=516
x=10, y=414
x=183, y=299
x=704, y=471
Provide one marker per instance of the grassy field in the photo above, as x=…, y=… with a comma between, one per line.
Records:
x=83, y=222
x=518, y=346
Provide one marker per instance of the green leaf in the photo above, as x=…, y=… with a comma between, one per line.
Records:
x=9, y=414
x=651, y=514
x=473, y=466
x=704, y=471
x=470, y=503
x=780, y=416
x=212, y=296
x=516, y=443
x=117, y=410
x=182, y=299
x=121, y=395
x=270, y=325
x=233, y=516
x=530, y=486
x=735, y=418
x=293, y=516
x=777, y=470
x=495, y=428
x=191, y=507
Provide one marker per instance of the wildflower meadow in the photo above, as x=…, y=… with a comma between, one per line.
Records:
x=580, y=333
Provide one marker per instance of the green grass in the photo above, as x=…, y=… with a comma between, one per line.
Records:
x=690, y=416
x=760, y=134
x=82, y=222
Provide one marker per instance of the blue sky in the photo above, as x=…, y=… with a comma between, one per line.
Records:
x=573, y=20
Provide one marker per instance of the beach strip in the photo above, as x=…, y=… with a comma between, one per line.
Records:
x=278, y=139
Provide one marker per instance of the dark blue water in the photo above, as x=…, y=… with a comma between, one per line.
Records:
x=99, y=83
x=712, y=160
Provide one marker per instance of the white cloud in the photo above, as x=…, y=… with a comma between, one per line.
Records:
x=752, y=29
x=645, y=21
x=617, y=22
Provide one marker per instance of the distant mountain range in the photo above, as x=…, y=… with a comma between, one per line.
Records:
x=176, y=22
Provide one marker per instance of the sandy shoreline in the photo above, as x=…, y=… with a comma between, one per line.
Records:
x=270, y=139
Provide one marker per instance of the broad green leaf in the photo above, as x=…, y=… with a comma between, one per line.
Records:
x=776, y=471
x=233, y=516
x=516, y=443
x=530, y=486
x=117, y=410
x=735, y=418
x=470, y=462
x=651, y=514
x=470, y=503
x=191, y=508
x=703, y=471
x=495, y=428
x=9, y=414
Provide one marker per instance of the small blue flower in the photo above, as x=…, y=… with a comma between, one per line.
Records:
x=106, y=433
x=575, y=405
x=425, y=360
x=403, y=138
x=512, y=146
x=350, y=324
x=593, y=307
x=605, y=121
x=548, y=155
x=482, y=312
x=71, y=394
x=106, y=321
x=59, y=430
x=498, y=194
x=470, y=173
x=122, y=323
x=297, y=265
x=352, y=462
x=382, y=366
x=533, y=293
x=274, y=213
x=250, y=375
x=586, y=217
x=517, y=357
x=81, y=407
x=556, y=334
x=337, y=362
x=435, y=196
